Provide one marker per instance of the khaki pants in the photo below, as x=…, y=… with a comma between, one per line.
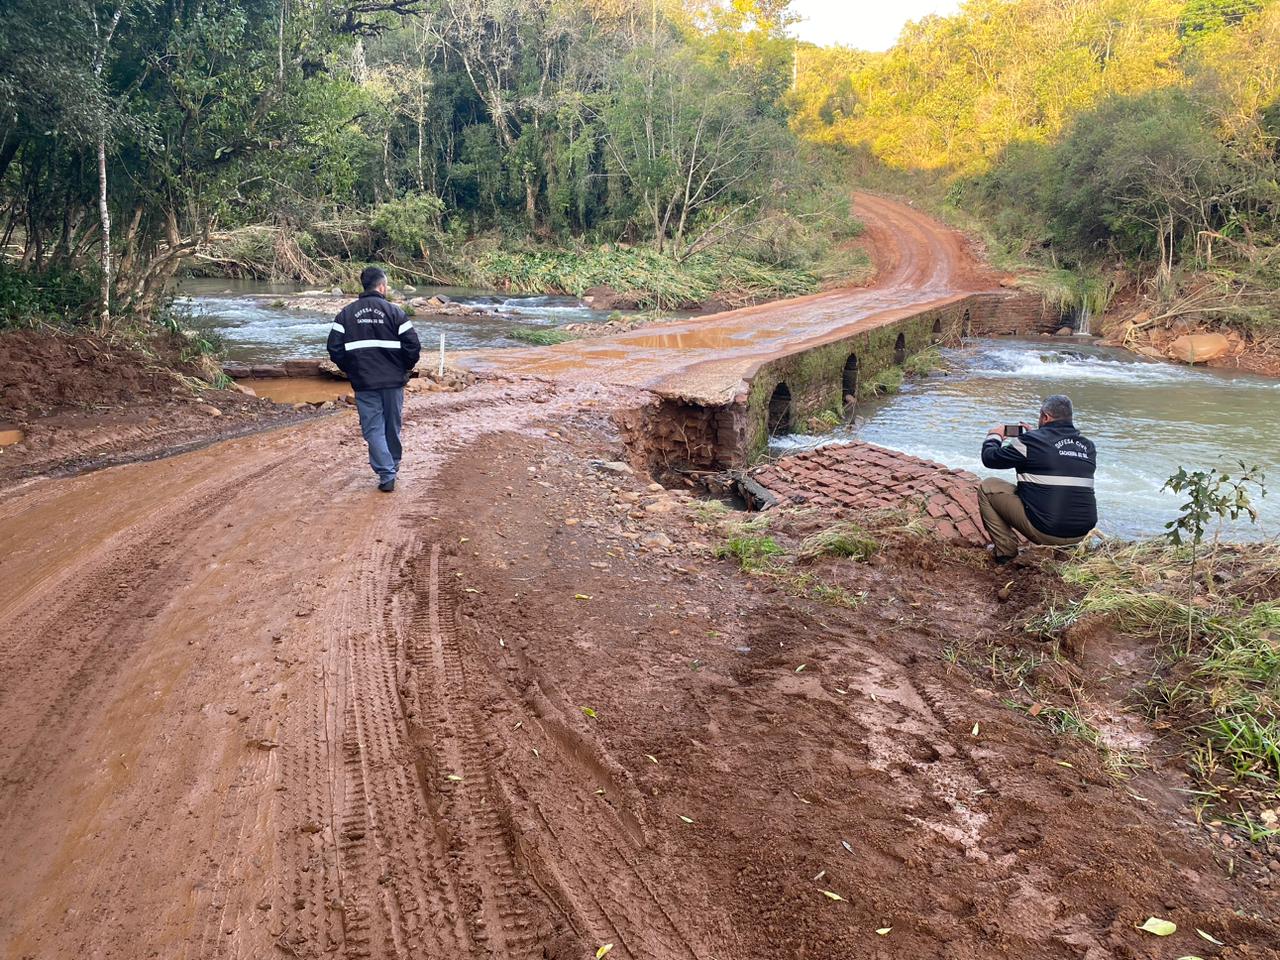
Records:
x=1003, y=513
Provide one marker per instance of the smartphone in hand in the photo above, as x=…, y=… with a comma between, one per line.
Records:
x=1012, y=429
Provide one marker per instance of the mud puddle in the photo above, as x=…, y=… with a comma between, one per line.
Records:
x=299, y=389
x=9, y=435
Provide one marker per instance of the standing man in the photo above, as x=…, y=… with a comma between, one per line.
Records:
x=373, y=342
x=1053, y=502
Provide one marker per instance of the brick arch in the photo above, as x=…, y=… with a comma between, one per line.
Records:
x=780, y=410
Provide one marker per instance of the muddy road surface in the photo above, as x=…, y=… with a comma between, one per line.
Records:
x=918, y=261
x=521, y=709
x=518, y=709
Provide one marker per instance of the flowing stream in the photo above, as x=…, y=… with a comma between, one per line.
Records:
x=1147, y=419
x=255, y=325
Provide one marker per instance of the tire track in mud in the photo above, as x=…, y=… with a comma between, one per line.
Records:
x=506, y=922
x=381, y=888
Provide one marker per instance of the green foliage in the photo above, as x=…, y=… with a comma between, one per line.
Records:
x=1212, y=495
x=653, y=278
x=55, y=295
x=753, y=552
x=923, y=363
x=885, y=383
x=1220, y=682
x=409, y=226
x=540, y=337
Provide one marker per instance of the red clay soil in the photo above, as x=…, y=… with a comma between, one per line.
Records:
x=517, y=709
x=919, y=263
x=84, y=402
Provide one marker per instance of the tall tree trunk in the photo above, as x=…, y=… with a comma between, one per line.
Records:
x=104, y=209
x=104, y=214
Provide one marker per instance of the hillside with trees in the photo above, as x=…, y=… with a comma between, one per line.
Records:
x=1124, y=148
x=519, y=143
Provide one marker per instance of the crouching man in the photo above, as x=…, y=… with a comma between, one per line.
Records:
x=373, y=342
x=1053, y=502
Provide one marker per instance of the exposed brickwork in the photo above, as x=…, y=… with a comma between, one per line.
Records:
x=1011, y=313
x=864, y=476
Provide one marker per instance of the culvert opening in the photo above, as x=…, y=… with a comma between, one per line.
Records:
x=900, y=350
x=849, y=383
x=966, y=325
x=780, y=410
x=937, y=330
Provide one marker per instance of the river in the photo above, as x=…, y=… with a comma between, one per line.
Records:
x=248, y=317
x=1147, y=419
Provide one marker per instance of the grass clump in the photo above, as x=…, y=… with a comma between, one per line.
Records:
x=923, y=363
x=754, y=552
x=540, y=337
x=846, y=539
x=654, y=280
x=1216, y=633
x=885, y=383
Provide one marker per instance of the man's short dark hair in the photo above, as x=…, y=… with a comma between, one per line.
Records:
x=1057, y=407
x=371, y=277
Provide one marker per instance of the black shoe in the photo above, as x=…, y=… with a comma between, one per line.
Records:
x=386, y=486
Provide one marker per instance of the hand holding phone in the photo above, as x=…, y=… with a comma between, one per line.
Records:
x=1013, y=429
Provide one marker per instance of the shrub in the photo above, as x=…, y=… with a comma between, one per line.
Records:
x=56, y=295
x=409, y=226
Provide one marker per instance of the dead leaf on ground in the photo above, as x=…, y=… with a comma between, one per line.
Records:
x=603, y=950
x=831, y=895
x=1159, y=927
x=1210, y=937
x=883, y=931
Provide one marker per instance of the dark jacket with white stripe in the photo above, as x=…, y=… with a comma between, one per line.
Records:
x=373, y=342
x=1055, y=467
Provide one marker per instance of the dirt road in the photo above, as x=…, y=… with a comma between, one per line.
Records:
x=919, y=264
x=517, y=709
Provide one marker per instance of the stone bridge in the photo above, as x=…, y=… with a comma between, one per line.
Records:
x=723, y=383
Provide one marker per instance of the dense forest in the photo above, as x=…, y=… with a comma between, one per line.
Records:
x=1109, y=142
x=499, y=141
x=692, y=147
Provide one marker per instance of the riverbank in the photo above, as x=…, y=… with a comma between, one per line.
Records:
x=611, y=276
x=73, y=401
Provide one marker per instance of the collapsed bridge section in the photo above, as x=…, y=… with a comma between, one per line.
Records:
x=810, y=380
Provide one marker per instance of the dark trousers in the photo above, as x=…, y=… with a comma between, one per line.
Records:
x=380, y=423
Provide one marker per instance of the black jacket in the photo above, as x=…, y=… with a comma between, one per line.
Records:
x=1055, y=467
x=374, y=343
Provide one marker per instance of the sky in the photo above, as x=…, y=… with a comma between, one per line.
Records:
x=864, y=24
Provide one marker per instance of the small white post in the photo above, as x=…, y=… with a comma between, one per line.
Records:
x=441, y=356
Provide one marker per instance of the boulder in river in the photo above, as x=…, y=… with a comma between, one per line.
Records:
x=1199, y=347
x=302, y=368
x=330, y=369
